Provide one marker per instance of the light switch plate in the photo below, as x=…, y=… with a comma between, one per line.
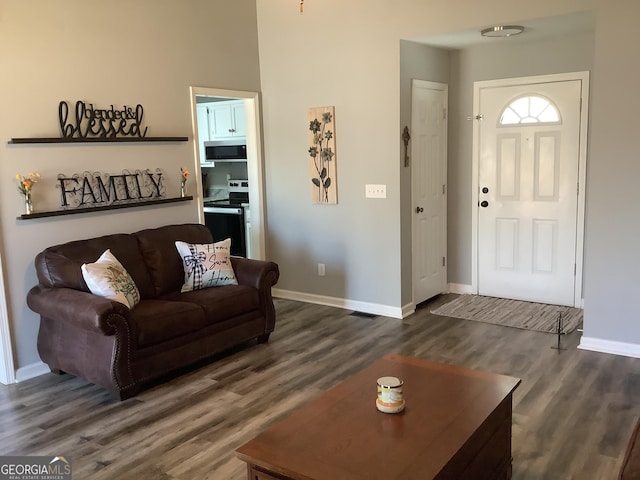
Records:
x=375, y=191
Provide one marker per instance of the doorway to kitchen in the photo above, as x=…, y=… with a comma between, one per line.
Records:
x=528, y=184
x=238, y=114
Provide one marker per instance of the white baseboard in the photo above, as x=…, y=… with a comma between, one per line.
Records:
x=366, y=307
x=408, y=309
x=31, y=371
x=461, y=289
x=609, y=346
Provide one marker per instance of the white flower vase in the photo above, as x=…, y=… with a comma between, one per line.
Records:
x=183, y=189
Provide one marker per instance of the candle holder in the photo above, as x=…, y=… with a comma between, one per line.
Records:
x=390, y=398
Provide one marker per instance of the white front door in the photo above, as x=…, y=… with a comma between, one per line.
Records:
x=528, y=178
x=428, y=171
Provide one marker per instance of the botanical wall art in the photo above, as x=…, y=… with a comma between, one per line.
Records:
x=322, y=153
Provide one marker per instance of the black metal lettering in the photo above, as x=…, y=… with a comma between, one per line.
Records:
x=64, y=191
x=130, y=185
x=139, y=115
x=122, y=181
x=104, y=123
x=63, y=114
x=80, y=114
x=155, y=184
x=105, y=194
x=86, y=185
x=137, y=178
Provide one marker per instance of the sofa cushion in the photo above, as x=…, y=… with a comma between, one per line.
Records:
x=221, y=303
x=162, y=260
x=60, y=266
x=106, y=277
x=156, y=321
x=206, y=265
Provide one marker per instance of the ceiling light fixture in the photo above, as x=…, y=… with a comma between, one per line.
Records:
x=502, y=31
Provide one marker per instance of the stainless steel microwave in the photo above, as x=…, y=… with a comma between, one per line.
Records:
x=225, y=150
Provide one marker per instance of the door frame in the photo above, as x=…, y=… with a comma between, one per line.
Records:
x=7, y=367
x=440, y=87
x=255, y=161
x=582, y=167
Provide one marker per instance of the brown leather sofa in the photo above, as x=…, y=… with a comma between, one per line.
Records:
x=107, y=344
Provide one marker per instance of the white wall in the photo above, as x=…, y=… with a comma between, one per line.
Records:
x=117, y=52
x=612, y=278
x=329, y=59
x=346, y=54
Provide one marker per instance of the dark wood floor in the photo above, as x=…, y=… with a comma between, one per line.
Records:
x=573, y=412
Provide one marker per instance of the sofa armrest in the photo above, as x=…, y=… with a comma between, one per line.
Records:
x=262, y=276
x=81, y=309
x=255, y=273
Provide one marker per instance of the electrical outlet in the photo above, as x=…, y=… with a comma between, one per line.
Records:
x=375, y=191
x=321, y=271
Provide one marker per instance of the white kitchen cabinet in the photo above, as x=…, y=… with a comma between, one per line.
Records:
x=227, y=120
x=239, y=119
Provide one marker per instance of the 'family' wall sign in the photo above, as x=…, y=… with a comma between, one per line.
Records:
x=95, y=189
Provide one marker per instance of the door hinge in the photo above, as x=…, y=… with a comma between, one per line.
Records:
x=444, y=113
x=444, y=189
x=575, y=269
x=444, y=262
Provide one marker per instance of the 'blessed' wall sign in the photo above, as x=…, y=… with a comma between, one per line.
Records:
x=87, y=121
x=94, y=189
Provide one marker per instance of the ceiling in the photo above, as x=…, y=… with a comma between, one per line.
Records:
x=534, y=30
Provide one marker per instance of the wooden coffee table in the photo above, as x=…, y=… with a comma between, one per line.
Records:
x=456, y=425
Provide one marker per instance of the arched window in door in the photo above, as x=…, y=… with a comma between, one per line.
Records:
x=530, y=109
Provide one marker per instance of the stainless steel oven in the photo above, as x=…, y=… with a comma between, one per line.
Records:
x=226, y=218
x=227, y=222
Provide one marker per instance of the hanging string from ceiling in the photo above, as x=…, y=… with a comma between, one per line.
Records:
x=301, y=7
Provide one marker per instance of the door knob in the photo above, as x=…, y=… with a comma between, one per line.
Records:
x=484, y=204
x=419, y=209
x=485, y=190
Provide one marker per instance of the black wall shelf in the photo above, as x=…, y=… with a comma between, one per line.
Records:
x=24, y=141
x=58, y=213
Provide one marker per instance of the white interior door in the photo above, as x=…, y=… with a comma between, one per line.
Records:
x=429, y=157
x=528, y=178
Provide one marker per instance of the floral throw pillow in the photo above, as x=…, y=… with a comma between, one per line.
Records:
x=206, y=265
x=108, y=278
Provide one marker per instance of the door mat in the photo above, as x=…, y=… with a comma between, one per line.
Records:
x=512, y=313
